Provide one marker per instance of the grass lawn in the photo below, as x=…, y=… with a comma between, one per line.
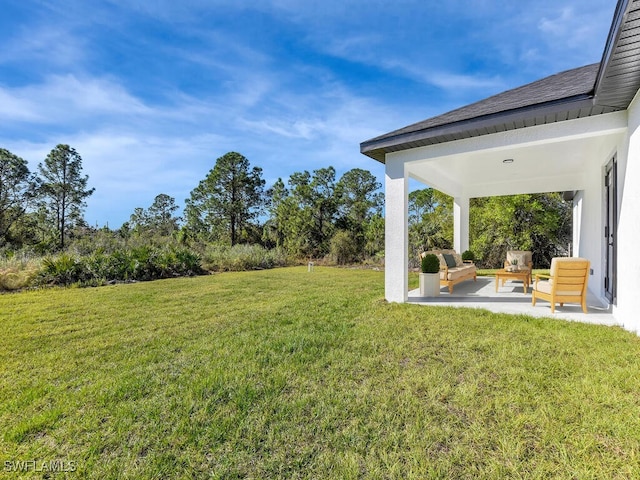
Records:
x=289, y=374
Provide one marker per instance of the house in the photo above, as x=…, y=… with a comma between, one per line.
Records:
x=574, y=132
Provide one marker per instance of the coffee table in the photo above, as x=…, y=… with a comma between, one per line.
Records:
x=505, y=275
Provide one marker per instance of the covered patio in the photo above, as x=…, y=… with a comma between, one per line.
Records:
x=576, y=132
x=547, y=136
x=565, y=157
x=511, y=299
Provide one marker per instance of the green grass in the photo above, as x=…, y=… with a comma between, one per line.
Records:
x=289, y=374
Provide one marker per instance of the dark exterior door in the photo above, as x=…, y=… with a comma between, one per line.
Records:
x=611, y=221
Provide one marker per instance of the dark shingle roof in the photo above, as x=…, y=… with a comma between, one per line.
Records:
x=603, y=87
x=577, y=82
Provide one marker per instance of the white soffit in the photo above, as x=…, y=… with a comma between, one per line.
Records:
x=546, y=158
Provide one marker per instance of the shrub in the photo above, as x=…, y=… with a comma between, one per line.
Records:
x=343, y=248
x=430, y=263
x=61, y=270
x=187, y=262
x=222, y=258
x=17, y=270
x=468, y=255
x=16, y=279
x=139, y=263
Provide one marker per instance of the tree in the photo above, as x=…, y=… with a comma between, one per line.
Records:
x=430, y=221
x=358, y=201
x=374, y=235
x=16, y=191
x=161, y=215
x=138, y=220
x=303, y=216
x=311, y=211
x=63, y=190
x=324, y=207
x=539, y=222
x=226, y=202
x=275, y=227
x=158, y=219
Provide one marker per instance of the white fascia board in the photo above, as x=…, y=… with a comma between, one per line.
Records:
x=597, y=125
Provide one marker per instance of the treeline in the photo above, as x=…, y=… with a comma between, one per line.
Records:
x=309, y=216
x=312, y=215
x=230, y=221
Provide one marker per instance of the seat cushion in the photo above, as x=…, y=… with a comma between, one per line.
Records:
x=545, y=287
x=458, y=272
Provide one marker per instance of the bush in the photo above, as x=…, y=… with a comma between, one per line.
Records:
x=64, y=269
x=468, y=255
x=17, y=274
x=139, y=263
x=430, y=263
x=343, y=248
x=222, y=258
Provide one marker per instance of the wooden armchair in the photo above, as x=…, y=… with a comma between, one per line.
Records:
x=567, y=282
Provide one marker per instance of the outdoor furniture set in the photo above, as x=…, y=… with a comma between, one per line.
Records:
x=566, y=282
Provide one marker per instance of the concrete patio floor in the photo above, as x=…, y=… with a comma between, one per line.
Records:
x=511, y=299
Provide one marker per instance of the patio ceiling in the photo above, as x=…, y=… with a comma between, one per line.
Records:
x=548, y=158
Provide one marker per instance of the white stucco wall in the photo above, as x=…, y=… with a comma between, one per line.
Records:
x=396, y=231
x=590, y=225
x=590, y=213
x=627, y=308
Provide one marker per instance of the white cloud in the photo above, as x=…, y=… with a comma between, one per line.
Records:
x=573, y=28
x=44, y=45
x=446, y=80
x=61, y=98
x=297, y=128
x=17, y=108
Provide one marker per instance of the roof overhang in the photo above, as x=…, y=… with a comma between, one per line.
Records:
x=551, y=112
x=618, y=79
x=612, y=89
x=560, y=157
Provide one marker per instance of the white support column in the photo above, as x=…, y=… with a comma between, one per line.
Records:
x=577, y=225
x=396, y=232
x=461, y=224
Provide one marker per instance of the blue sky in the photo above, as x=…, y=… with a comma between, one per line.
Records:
x=151, y=93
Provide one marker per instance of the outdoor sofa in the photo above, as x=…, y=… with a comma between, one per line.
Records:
x=453, y=269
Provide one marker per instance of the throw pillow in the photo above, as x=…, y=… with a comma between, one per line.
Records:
x=521, y=258
x=448, y=258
